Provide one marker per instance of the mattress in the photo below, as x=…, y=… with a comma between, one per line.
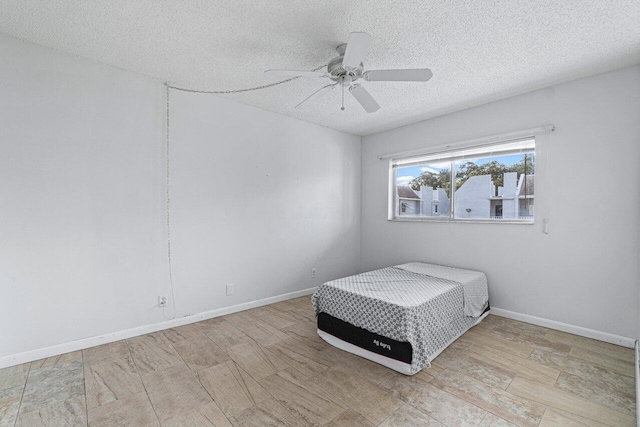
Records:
x=416, y=306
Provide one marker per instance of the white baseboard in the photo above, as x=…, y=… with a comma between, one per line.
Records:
x=54, y=350
x=637, y=346
x=41, y=353
x=565, y=327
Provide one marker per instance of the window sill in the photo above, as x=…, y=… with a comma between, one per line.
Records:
x=466, y=221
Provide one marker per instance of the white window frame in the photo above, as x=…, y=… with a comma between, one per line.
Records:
x=470, y=148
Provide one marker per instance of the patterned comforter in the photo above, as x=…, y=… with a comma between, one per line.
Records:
x=426, y=305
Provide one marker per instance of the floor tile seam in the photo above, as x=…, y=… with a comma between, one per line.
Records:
x=504, y=366
x=55, y=402
x=173, y=345
x=523, y=342
x=525, y=338
x=272, y=396
x=340, y=402
x=207, y=390
x=242, y=382
x=283, y=406
x=436, y=419
x=466, y=352
x=86, y=398
x=333, y=399
x=587, y=417
x=558, y=411
x=286, y=327
x=263, y=351
x=613, y=359
x=546, y=408
x=555, y=386
x=464, y=374
x=489, y=336
x=463, y=398
x=109, y=359
x=24, y=388
x=391, y=414
x=603, y=367
x=588, y=379
x=557, y=334
x=574, y=394
x=532, y=343
x=195, y=375
x=488, y=411
x=629, y=359
x=133, y=360
x=182, y=359
x=500, y=417
x=382, y=380
x=171, y=341
x=585, y=400
x=487, y=347
x=359, y=400
x=253, y=315
x=583, y=361
x=275, y=354
x=422, y=412
x=485, y=416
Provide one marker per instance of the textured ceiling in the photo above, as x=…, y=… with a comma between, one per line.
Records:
x=478, y=50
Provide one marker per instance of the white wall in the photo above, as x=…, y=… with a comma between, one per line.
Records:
x=258, y=200
x=585, y=271
x=81, y=185
x=82, y=213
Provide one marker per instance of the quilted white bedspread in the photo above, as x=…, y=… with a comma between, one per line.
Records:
x=474, y=283
x=423, y=304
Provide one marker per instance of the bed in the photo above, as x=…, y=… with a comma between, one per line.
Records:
x=403, y=316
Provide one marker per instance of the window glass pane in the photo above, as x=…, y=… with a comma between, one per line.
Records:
x=424, y=190
x=503, y=149
x=495, y=187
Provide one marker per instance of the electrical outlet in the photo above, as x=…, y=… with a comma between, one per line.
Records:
x=229, y=289
x=313, y=273
x=162, y=300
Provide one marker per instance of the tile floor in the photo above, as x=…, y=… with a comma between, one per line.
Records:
x=267, y=367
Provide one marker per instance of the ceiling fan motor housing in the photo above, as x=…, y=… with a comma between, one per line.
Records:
x=336, y=70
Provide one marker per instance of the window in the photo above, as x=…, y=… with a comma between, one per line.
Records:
x=494, y=183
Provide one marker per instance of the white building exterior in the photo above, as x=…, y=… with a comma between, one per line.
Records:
x=409, y=203
x=434, y=202
x=426, y=202
x=477, y=198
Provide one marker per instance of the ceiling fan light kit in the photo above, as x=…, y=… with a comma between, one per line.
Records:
x=347, y=68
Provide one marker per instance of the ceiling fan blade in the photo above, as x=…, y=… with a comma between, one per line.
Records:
x=296, y=73
x=356, y=49
x=364, y=98
x=414, y=75
x=318, y=94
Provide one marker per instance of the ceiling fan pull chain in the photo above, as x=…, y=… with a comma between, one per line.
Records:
x=342, y=109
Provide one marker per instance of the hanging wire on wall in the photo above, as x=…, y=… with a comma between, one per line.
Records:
x=168, y=162
x=168, y=206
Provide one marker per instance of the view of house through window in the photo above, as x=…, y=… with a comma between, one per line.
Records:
x=493, y=183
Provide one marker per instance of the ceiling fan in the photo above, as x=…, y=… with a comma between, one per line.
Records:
x=347, y=68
